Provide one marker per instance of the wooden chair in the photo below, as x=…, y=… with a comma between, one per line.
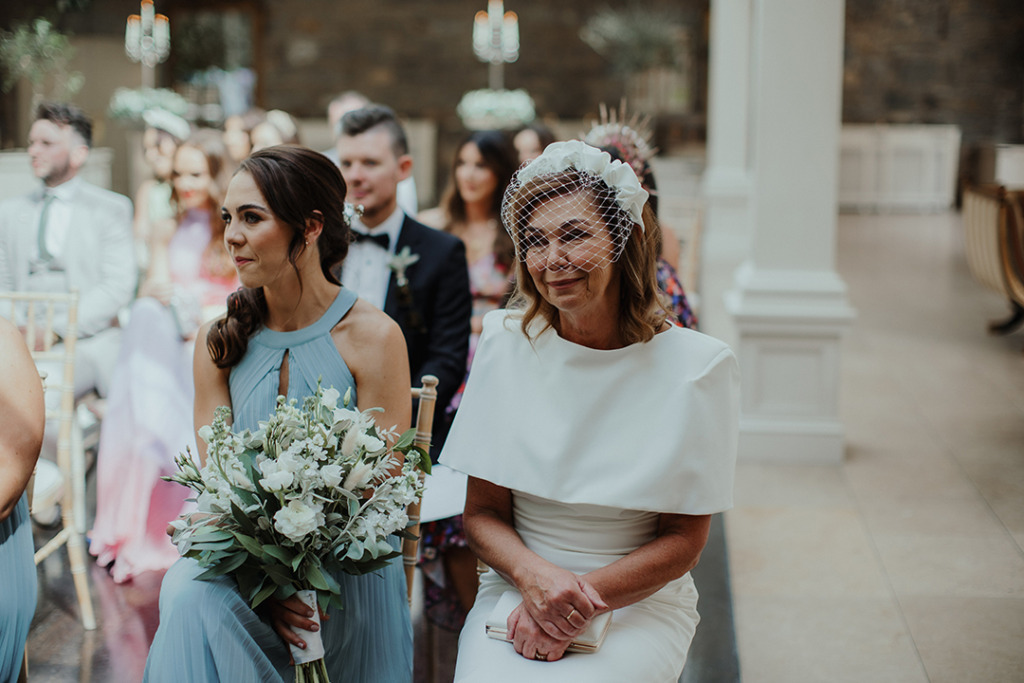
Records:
x=427, y=395
x=42, y=308
x=994, y=241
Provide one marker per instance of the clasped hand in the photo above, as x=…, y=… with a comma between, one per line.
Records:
x=557, y=607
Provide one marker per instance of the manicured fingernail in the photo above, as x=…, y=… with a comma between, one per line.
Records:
x=302, y=645
x=314, y=627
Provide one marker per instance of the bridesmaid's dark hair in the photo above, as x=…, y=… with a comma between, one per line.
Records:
x=296, y=183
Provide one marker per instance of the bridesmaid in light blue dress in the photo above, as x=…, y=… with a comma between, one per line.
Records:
x=21, y=434
x=291, y=324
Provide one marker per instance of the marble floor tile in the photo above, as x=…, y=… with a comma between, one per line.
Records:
x=967, y=640
x=953, y=566
x=807, y=640
x=796, y=552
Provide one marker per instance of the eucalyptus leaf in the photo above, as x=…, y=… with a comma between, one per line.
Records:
x=265, y=592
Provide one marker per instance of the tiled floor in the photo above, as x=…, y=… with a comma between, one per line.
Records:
x=905, y=562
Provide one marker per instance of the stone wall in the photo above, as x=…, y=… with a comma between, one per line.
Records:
x=937, y=61
x=913, y=61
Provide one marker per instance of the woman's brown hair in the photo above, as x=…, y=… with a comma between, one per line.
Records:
x=641, y=305
x=297, y=184
x=499, y=157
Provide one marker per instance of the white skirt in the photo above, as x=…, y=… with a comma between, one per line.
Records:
x=648, y=641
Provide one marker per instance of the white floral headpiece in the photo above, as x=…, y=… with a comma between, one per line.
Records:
x=161, y=119
x=559, y=156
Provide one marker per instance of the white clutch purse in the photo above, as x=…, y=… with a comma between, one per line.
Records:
x=587, y=642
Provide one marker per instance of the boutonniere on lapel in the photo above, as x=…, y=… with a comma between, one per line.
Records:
x=398, y=265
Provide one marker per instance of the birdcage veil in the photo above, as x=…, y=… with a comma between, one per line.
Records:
x=572, y=208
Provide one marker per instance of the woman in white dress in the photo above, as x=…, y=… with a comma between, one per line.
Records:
x=598, y=439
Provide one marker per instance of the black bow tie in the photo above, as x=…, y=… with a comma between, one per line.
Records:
x=382, y=239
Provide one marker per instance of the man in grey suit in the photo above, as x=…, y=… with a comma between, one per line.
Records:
x=70, y=234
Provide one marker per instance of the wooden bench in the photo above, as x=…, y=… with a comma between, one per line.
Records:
x=994, y=239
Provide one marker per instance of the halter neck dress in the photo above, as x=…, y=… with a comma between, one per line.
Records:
x=207, y=630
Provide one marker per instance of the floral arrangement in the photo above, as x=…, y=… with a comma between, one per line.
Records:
x=129, y=104
x=495, y=109
x=315, y=491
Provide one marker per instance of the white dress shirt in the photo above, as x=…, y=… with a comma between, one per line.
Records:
x=58, y=220
x=365, y=270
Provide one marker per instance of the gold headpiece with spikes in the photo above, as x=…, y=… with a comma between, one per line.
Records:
x=631, y=138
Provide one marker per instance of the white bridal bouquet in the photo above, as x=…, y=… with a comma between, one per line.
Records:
x=315, y=491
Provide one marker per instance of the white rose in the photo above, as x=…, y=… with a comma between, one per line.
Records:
x=296, y=520
x=277, y=481
x=371, y=443
x=331, y=474
x=329, y=399
x=206, y=433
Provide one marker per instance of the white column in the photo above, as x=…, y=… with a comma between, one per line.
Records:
x=726, y=184
x=788, y=304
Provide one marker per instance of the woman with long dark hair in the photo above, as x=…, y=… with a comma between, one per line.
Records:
x=291, y=326
x=470, y=210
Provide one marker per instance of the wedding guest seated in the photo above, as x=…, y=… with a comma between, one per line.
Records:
x=149, y=411
x=598, y=439
x=164, y=132
x=290, y=326
x=351, y=100
x=470, y=210
x=21, y=435
x=531, y=140
x=414, y=273
x=69, y=234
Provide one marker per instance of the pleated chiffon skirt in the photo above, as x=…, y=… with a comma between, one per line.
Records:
x=208, y=632
x=18, y=595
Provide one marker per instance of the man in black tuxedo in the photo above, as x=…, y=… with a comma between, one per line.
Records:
x=428, y=297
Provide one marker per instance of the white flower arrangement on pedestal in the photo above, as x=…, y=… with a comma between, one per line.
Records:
x=129, y=104
x=315, y=491
x=495, y=109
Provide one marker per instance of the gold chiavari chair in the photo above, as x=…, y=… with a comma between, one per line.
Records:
x=427, y=395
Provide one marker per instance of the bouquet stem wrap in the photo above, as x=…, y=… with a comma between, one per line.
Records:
x=314, y=644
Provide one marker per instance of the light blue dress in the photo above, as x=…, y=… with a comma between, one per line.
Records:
x=207, y=631
x=18, y=595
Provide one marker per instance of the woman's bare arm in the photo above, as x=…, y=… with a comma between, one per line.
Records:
x=643, y=572
x=211, y=385
x=22, y=417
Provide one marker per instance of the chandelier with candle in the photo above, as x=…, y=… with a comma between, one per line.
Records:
x=496, y=42
x=147, y=39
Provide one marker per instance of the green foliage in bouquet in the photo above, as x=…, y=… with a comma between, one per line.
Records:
x=313, y=492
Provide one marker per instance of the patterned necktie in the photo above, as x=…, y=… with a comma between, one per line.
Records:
x=44, y=253
x=381, y=239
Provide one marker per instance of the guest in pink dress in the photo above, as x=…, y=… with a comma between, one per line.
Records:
x=470, y=210
x=149, y=409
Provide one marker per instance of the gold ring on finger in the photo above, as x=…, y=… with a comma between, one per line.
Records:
x=541, y=657
x=567, y=618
